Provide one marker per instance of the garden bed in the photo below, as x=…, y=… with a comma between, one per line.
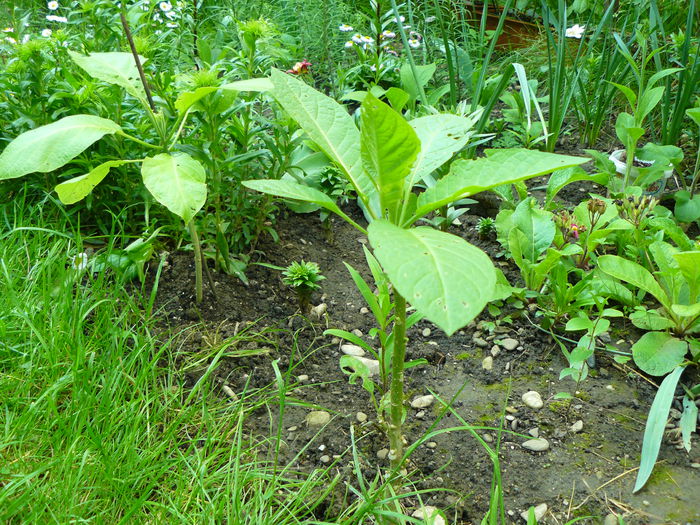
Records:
x=588, y=470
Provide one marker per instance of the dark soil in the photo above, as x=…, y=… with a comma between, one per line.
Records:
x=589, y=473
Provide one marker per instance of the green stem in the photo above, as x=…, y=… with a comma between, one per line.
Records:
x=396, y=393
x=137, y=140
x=407, y=49
x=197, y=261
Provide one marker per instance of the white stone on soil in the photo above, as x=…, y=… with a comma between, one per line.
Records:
x=487, y=363
x=430, y=515
x=361, y=417
x=355, y=350
x=536, y=445
x=423, y=401
x=509, y=343
x=317, y=418
x=533, y=400
x=576, y=427
x=540, y=511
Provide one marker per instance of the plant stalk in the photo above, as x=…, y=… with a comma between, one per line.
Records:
x=197, y=261
x=142, y=75
x=396, y=392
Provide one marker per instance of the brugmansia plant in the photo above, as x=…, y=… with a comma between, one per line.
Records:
x=447, y=280
x=175, y=179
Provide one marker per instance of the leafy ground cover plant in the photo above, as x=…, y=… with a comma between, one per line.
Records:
x=446, y=280
x=303, y=277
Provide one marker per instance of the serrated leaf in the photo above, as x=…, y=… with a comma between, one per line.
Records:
x=176, y=181
x=657, y=353
x=76, y=189
x=506, y=166
x=389, y=146
x=446, y=279
x=114, y=68
x=49, y=147
x=656, y=423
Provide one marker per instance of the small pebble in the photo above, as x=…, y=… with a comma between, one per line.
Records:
x=576, y=427
x=431, y=444
x=534, y=432
x=426, y=332
x=695, y=465
x=293, y=429
x=482, y=343
x=429, y=515
x=495, y=350
x=540, y=511
x=355, y=350
x=487, y=363
x=357, y=332
x=383, y=453
x=317, y=418
x=533, y=400
x=322, y=448
x=229, y=392
x=488, y=438
x=361, y=417
x=303, y=378
x=611, y=519
x=324, y=459
x=536, y=445
x=423, y=401
x=610, y=387
x=510, y=343
x=364, y=310
x=420, y=414
x=318, y=311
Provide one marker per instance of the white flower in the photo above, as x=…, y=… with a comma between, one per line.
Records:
x=54, y=18
x=414, y=42
x=171, y=15
x=165, y=6
x=388, y=34
x=373, y=68
x=10, y=40
x=430, y=19
x=8, y=30
x=349, y=44
x=25, y=39
x=46, y=33
x=171, y=25
x=344, y=28
x=52, y=5
x=79, y=262
x=157, y=17
x=576, y=31
x=400, y=20
x=357, y=38
x=367, y=39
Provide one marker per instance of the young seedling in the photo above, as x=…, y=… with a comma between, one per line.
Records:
x=303, y=277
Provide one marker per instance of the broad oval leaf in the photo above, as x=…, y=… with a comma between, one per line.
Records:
x=656, y=424
x=328, y=124
x=49, y=147
x=538, y=227
x=76, y=189
x=634, y=274
x=177, y=181
x=657, y=353
x=446, y=279
x=114, y=68
x=189, y=98
x=389, y=147
x=506, y=166
x=441, y=136
x=689, y=263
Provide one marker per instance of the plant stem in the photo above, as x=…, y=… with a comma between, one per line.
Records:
x=142, y=76
x=197, y=261
x=396, y=394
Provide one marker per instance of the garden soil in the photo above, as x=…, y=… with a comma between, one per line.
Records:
x=586, y=471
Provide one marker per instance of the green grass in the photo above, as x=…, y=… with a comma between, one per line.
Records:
x=95, y=423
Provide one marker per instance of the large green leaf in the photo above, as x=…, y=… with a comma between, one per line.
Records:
x=634, y=274
x=328, y=124
x=441, y=136
x=657, y=353
x=689, y=263
x=177, y=181
x=76, y=189
x=189, y=98
x=49, y=147
x=411, y=83
x=446, y=279
x=293, y=190
x=114, y=68
x=506, y=166
x=538, y=227
x=656, y=424
x=389, y=147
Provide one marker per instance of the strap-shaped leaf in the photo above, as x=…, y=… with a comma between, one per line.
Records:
x=446, y=279
x=506, y=166
x=49, y=147
x=114, y=68
x=389, y=147
x=441, y=136
x=656, y=424
x=635, y=274
x=293, y=190
x=328, y=124
x=177, y=181
x=76, y=189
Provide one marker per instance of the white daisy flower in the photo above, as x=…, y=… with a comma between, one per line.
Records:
x=54, y=18
x=576, y=31
x=171, y=25
x=165, y=6
x=357, y=38
x=8, y=30
x=344, y=28
x=367, y=40
x=46, y=33
x=414, y=42
x=400, y=20
x=171, y=15
x=388, y=34
x=10, y=40
x=349, y=44
x=373, y=68
x=79, y=262
x=52, y=5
